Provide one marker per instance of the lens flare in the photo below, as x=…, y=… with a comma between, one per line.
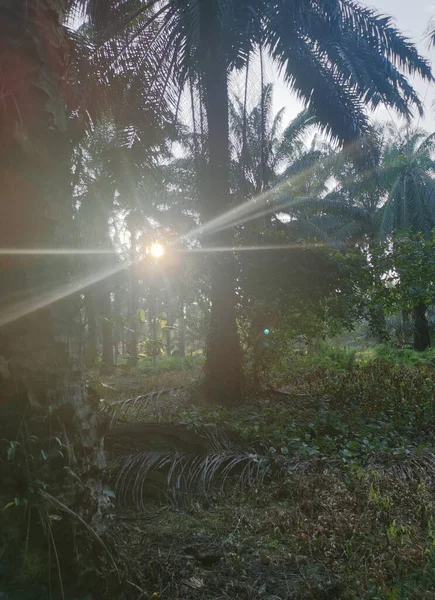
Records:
x=157, y=250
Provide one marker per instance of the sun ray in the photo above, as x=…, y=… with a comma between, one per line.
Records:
x=53, y=251
x=272, y=200
x=268, y=202
x=254, y=248
x=10, y=313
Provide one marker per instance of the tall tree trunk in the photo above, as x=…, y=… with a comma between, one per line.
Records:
x=91, y=341
x=223, y=367
x=182, y=322
x=133, y=297
x=378, y=323
x=117, y=331
x=421, y=327
x=407, y=328
x=43, y=348
x=106, y=331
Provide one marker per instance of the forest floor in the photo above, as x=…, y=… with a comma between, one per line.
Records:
x=344, y=509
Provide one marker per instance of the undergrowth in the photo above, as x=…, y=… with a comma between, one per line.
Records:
x=340, y=506
x=347, y=509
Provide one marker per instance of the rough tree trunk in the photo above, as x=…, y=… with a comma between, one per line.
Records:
x=421, y=328
x=42, y=347
x=223, y=367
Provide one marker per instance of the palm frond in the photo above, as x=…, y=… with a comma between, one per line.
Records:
x=338, y=108
x=182, y=475
x=295, y=130
x=132, y=409
x=388, y=211
x=369, y=24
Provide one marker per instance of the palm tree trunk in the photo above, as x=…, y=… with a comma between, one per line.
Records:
x=133, y=297
x=43, y=348
x=182, y=322
x=107, y=332
x=91, y=342
x=117, y=330
x=223, y=367
x=421, y=327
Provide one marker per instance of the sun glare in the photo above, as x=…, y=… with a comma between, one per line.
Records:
x=157, y=251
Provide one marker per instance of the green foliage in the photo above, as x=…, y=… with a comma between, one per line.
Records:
x=404, y=271
x=167, y=364
x=152, y=347
x=350, y=417
x=300, y=296
x=401, y=356
x=328, y=356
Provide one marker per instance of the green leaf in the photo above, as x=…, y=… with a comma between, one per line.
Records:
x=109, y=492
x=71, y=472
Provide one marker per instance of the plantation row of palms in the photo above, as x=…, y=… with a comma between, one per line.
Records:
x=323, y=194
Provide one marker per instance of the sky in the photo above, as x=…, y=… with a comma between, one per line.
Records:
x=412, y=19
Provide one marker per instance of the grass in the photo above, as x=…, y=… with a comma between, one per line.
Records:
x=307, y=536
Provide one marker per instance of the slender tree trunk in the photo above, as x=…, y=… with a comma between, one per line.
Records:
x=406, y=326
x=421, y=327
x=223, y=367
x=152, y=321
x=182, y=322
x=133, y=298
x=168, y=332
x=91, y=342
x=107, y=331
x=117, y=332
x=378, y=323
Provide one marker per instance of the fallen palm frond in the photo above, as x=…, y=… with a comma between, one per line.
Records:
x=408, y=467
x=177, y=462
x=170, y=437
x=144, y=404
x=179, y=475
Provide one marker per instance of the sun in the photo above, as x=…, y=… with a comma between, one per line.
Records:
x=157, y=250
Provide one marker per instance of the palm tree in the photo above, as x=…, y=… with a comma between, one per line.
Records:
x=42, y=347
x=338, y=56
x=260, y=147
x=408, y=167
x=385, y=186
x=49, y=101
x=95, y=196
x=407, y=174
